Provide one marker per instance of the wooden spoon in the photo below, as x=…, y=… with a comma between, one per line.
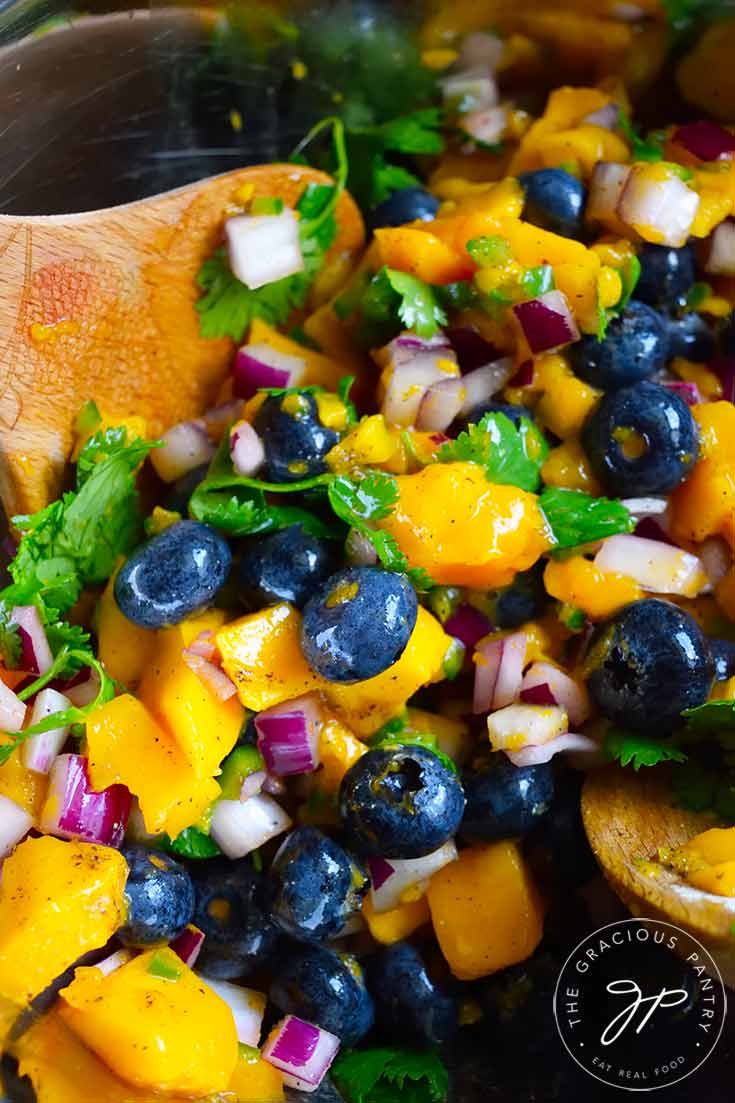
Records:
x=627, y=817
x=100, y=306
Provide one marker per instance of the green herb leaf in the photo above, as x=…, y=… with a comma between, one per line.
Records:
x=639, y=750
x=10, y=645
x=162, y=965
x=702, y=788
x=190, y=843
x=537, y=281
x=642, y=149
x=711, y=716
x=629, y=276
x=396, y=733
x=344, y=388
x=489, y=251
x=696, y=295
x=373, y=176
x=510, y=455
x=462, y=295
x=386, y=1075
x=418, y=308
x=577, y=518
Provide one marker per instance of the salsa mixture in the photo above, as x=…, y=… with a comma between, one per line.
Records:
x=298, y=699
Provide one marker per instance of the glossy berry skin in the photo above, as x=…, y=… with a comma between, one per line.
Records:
x=294, y=438
x=230, y=908
x=512, y=412
x=315, y=886
x=159, y=896
x=405, y=205
x=516, y=1003
x=554, y=201
x=358, y=623
x=504, y=800
x=634, y=347
x=690, y=337
x=174, y=574
x=400, y=803
x=647, y=664
x=523, y=600
x=325, y=988
x=666, y=275
x=723, y=655
x=656, y=429
x=285, y=566
x=408, y=1004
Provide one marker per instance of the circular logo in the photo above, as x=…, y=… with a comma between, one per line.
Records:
x=640, y=1004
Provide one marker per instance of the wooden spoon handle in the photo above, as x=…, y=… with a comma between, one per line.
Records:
x=101, y=306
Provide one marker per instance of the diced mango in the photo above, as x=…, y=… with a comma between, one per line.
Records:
x=485, y=909
x=171, y=1033
x=422, y=254
x=463, y=529
x=567, y=466
x=398, y=923
x=706, y=76
x=452, y=735
x=716, y=421
x=125, y=648
x=371, y=443
x=319, y=368
x=704, y=505
x=254, y=1080
x=566, y=401
x=57, y=901
x=597, y=593
x=128, y=746
x=339, y=749
x=25, y=787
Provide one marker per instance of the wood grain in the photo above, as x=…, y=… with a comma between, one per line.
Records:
x=101, y=306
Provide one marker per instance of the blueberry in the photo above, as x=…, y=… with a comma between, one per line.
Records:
x=179, y=494
x=723, y=656
x=554, y=200
x=406, y=205
x=517, y=1003
x=513, y=412
x=641, y=440
x=294, y=438
x=358, y=623
x=400, y=803
x=315, y=886
x=690, y=337
x=159, y=896
x=325, y=988
x=408, y=1004
x=230, y=908
x=727, y=337
x=285, y=566
x=666, y=275
x=561, y=833
x=647, y=664
x=504, y=800
x=634, y=347
x=523, y=600
x=172, y=575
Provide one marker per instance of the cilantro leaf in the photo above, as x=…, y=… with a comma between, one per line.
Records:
x=344, y=387
x=10, y=645
x=711, y=716
x=537, y=281
x=683, y=15
x=703, y=788
x=191, y=843
x=373, y=175
x=639, y=750
x=629, y=276
x=577, y=518
x=642, y=149
x=696, y=295
x=382, y=1075
x=400, y=736
x=418, y=309
x=511, y=456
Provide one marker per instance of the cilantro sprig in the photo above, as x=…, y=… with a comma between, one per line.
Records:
x=397, y=733
x=629, y=748
x=509, y=454
x=712, y=716
x=374, y=174
x=388, y=302
x=577, y=518
x=386, y=1075
x=642, y=149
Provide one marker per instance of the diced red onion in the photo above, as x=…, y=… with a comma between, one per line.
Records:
x=518, y=726
x=73, y=810
x=380, y=871
x=486, y=125
x=569, y=741
x=481, y=384
x=660, y=210
x=115, y=961
x=264, y=248
x=359, y=550
x=85, y=691
x=688, y=391
x=301, y=1051
x=409, y=874
x=213, y=676
x=724, y=369
x=246, y=450
x=408, y=379
x=440, y=405
x=260, y=365
x=706, y=140
x=185, y=446
x=498, y=672
x=188, y=944
x=39, y=752
x=288, y=736
x=544, y=684
x=480, y=49
x=239, y=827
x=721, y=256
x=221, y=417
x=716, y=558
x=627, y=13
x=645, y=507
x=15, y=823
x=468, y=625
x=657, y=567
x=547, y=322
x=471, y=348
x=524, y=376
x=136, y=829
x=471, y=89
x=606, y=187
x=654, y=528
x=204, y=645
x=247, y=1007
x=36, y=654
x=606, y=117
x=274, y=786
x=12, y=710
x=406, y=345
x=252, y=784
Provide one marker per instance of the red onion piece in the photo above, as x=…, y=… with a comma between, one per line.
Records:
x=480, y=49
x=471, y=348
x=468, y=625
x=721, y=256
x=204, y=645
x=543, y=681
x=188, y=944
x=406, y=345
x=547, y=322
x=12, y=710
x=380, y=871
x=645, y=507
x=536, y=755
x=409, y=874
x=659, y=210
x=264, y=248
x=83, y=692
x=39, y=752
x=260, y=365
x=440, y=405
x=716, y=558
x=239, y=827
x=606, y=117
x=288, y=736
x=246, y=450
x=487, y=663
x=651, y=528
x=524, y=376
x=486, y=125
x=706, y=140
x=15, y=823
x=688, y=391
x=221, y=417
x=213, y=676
x=274, y=786
x=73, y=810
x=724, y=369
x=185, y=446
x=538, y=695
x=471, y=89
x=247, y=1007
x=606, y=186
x=301, y=1051
x=360, y=550
x=658, y=567
x=115, y=961
x=481, y=384
x=498, y=672
x=252, y=784
x=36, y=654
x=518, y=726
x=406, y=380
